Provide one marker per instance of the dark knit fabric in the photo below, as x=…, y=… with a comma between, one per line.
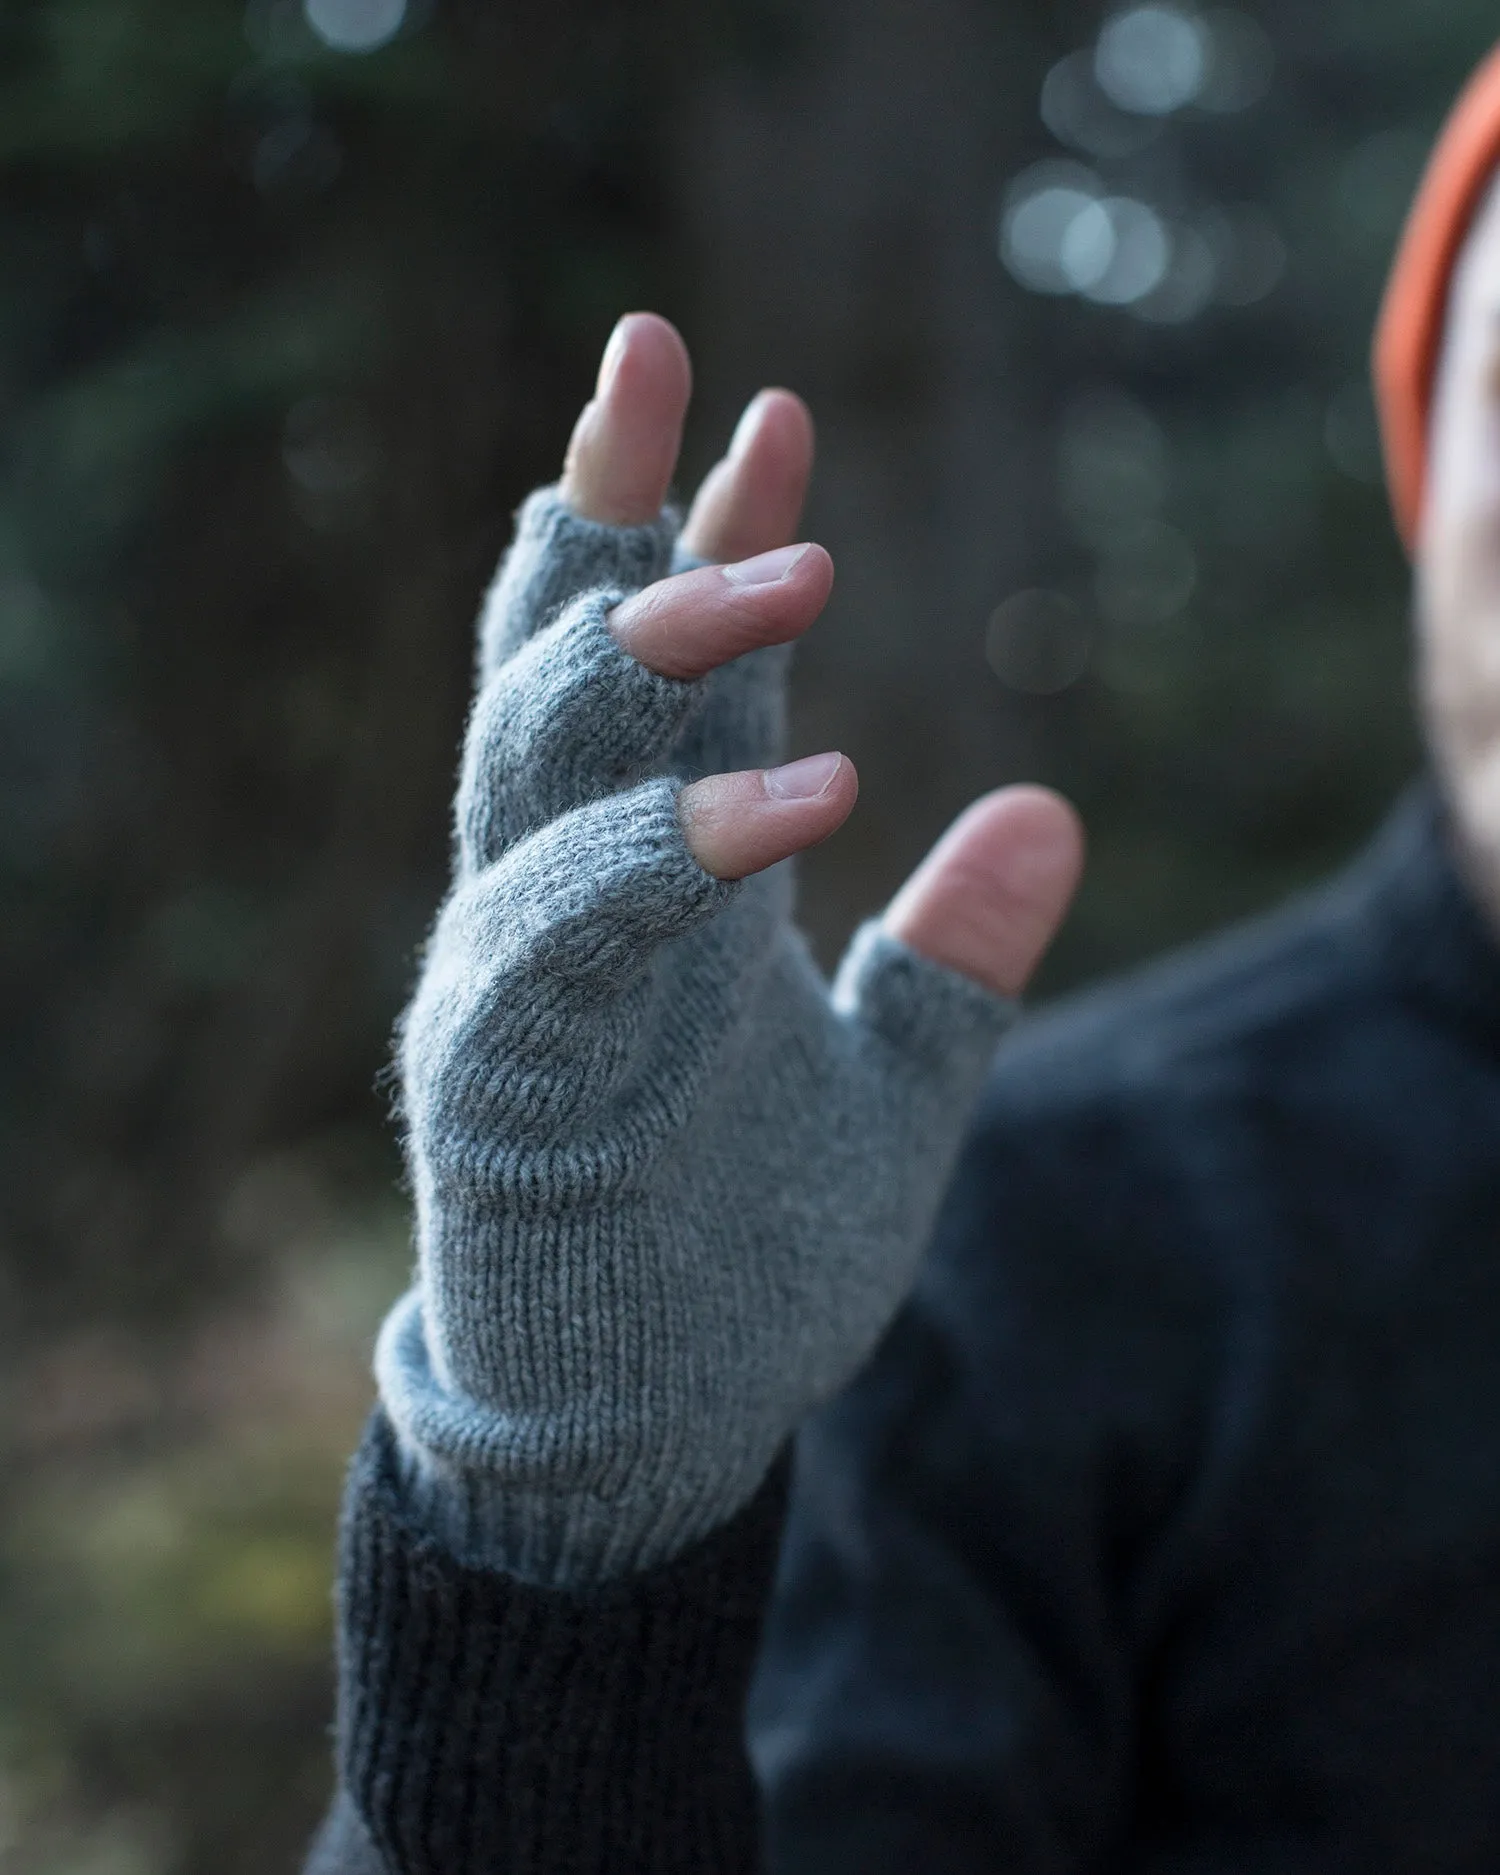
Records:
x=1162, y=1535
x=487, y=1725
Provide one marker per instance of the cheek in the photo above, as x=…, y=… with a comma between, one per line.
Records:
x=1485, y=419
x=1465, y=487
x=1480, y=435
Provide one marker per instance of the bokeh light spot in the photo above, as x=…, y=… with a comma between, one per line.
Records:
x=1135, y=249
x=1038, y=643
x=1088, y=247
x=330, y=453
x=1061, y=234
x=1186, y=287
x=1041, y=209
x=1152, y=60
x=1078, y=114
x=355, y=25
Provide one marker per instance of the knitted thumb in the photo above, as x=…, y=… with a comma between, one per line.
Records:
x=936, y=1029
x=921, y=1040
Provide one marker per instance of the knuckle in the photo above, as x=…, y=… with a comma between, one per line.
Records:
x=571, y=717
x=556, y=555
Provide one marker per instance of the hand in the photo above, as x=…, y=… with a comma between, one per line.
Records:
x=990, y=896
x=670, y=1188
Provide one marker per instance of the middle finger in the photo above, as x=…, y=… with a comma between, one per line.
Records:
x=690, y=624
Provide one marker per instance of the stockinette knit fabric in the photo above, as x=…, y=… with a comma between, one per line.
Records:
x=669, y=1187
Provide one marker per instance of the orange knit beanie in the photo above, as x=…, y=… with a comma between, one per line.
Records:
x=1409, y=335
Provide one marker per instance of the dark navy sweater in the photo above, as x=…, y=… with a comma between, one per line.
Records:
x=1161, y=1534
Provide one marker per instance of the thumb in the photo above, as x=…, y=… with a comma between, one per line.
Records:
x=989, y=897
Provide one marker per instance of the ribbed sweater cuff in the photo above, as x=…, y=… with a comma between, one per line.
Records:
x=486, y=1723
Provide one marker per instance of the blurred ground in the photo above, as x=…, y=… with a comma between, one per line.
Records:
x=299, y=299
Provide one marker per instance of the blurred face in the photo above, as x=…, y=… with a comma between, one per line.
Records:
x=1458, y=558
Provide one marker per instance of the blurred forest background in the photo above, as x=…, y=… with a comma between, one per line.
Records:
x=297, y=298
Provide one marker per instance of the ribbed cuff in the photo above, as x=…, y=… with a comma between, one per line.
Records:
x=489, y=1724
x=514, y=1492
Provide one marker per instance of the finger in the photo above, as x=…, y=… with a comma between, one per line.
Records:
x=570, y=718
x=988, y=899
x=587, y=897
x=687, y=626
x=624, y=448
x=753, y=499
x=736, y=825
x=557, y=556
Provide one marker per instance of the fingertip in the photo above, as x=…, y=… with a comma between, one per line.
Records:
x=812, y=778
x=690, y=623
x=646, y=354
x=1035, y=833
x=740, y=824
x=795, y=581
x=623, y=450
x=794, y=420
x=778, y=420
x=988, y=899
x=753, y=498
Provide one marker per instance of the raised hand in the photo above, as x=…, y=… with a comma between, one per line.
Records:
x=990, y=896
x=670, y=1187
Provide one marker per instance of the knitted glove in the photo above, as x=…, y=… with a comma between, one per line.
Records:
x=669, y=1188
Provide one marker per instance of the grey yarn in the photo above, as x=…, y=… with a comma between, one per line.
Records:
x=669, y=1188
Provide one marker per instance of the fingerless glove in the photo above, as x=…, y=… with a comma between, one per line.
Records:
x=670, y=1187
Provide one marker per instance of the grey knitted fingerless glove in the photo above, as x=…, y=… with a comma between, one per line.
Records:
x=669, y=1188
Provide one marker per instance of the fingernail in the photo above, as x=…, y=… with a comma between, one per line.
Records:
x=765, y=569
x=748, y=424
x=804, y=780
x=609, y=364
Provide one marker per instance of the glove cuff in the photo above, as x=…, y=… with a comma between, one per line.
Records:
x=494, y=1489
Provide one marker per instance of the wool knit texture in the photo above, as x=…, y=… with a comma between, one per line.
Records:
x=486, y=1724
x=670, y=1187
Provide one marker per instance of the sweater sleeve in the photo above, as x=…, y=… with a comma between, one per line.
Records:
x=489, y=1724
